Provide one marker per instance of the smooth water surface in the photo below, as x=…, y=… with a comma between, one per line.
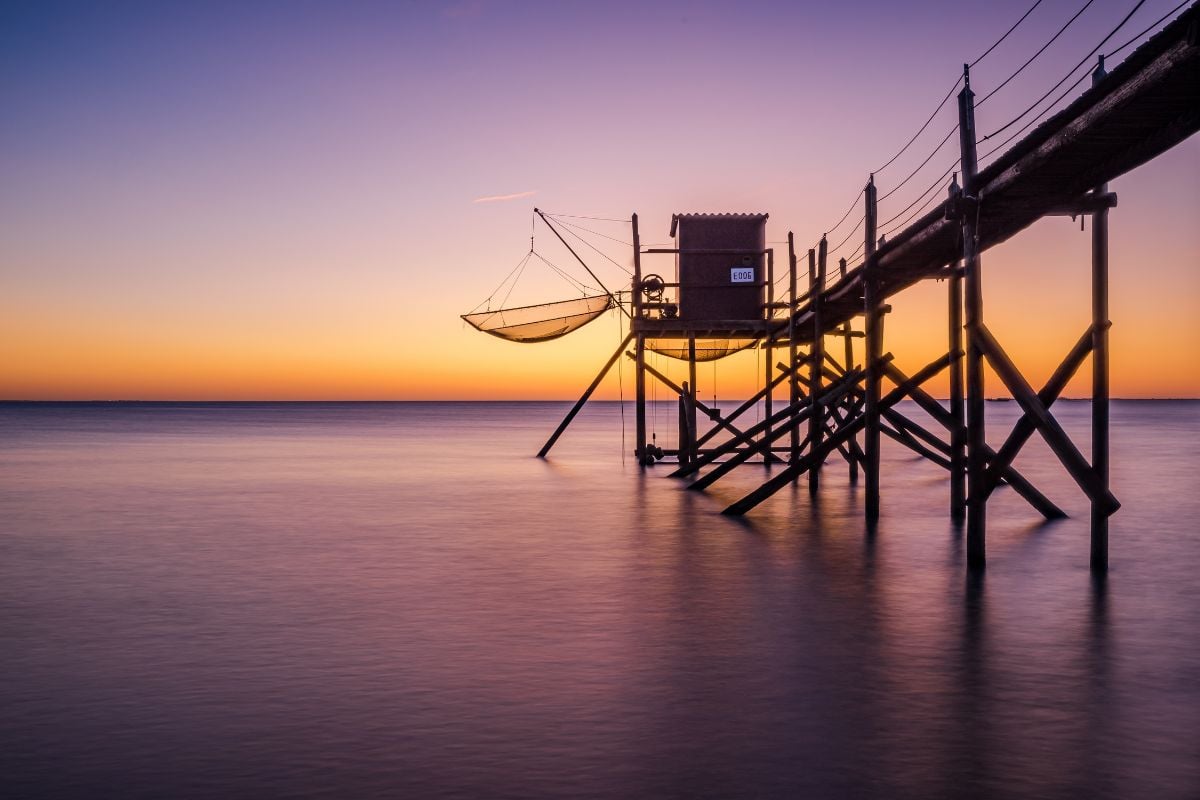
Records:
x=398, y=600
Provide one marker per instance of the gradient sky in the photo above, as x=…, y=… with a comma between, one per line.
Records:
x=278, y=200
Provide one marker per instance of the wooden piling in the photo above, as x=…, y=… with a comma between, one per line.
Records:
x=874, y=350
x=1100, y=409
x=848, y=344
x=976, y=464
x=958, y=444
x=640, y=358
x=793, y=386
x=690, y=391
x=767, y=370
x=1100, y=326
x=816, y=421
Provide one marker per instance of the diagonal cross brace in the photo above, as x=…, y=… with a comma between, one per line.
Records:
x=1062, y=446
x=1049, y=393
x=714, y=415
x=831, y=396
x=1016, y=480
x=737, y=412
x=789, y=473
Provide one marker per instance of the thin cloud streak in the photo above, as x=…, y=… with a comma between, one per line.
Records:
x=500, y=198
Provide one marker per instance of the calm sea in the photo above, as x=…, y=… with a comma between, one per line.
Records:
x=399, y=600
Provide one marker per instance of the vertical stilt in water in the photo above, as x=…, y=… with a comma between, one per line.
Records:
x=874, y=326
x=1099, y=558
x=958, y=444
x=848, y=342
x=976, y=464
x=640, y=402
x=690, y=386
x=793, y=384
x=767, y=385
x=685, y=434
x=640, y=349
x=816, y=419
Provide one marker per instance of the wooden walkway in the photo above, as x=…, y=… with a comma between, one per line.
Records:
x=1146, y=105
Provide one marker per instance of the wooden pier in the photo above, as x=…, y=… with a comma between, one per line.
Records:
x=1146, y=105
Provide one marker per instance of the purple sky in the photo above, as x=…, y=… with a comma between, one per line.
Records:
x=276, y=199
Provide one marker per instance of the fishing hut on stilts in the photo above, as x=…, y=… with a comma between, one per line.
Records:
x=832, y=398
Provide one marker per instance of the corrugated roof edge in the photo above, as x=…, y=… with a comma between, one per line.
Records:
x=706, y=215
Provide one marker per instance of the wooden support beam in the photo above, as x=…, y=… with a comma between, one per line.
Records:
x=872, y=300
x=908, y=441
x=793, y=301
x=958, y=434
x=849, y=355
x=712, y=414
x=976, y=463
x=742, y=439
x=833, y=362
x=849, y=449
x=687, y=434
x=749, y=403
x=906, y=425
x=587, y=393
x=789, y=473
x=639, y=371
x=1025, y=426
x=639, y=381
x=768, y=398
x=691, y=393
x=1060, y=444
x=816, y=420
x=1014, y=478
x=835, y=392
x=1100, y=366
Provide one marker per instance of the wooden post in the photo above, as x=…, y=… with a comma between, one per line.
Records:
x=687, y=437
x=691, y=398
x=1100, y=326
x=849, y=347
x=767, y=370
x=958, y=444
x=976, y=463
x=636, y=300
x=816, y=420
x=793, y=386
x=874, y=372
x=640, y=350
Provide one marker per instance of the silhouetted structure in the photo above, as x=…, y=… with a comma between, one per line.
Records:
x=725, y=289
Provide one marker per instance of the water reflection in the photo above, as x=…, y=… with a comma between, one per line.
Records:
x=350, y=601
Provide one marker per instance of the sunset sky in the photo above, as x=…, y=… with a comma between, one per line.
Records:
x=297, y=200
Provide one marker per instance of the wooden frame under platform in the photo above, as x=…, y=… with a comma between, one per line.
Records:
x=1144, y=107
